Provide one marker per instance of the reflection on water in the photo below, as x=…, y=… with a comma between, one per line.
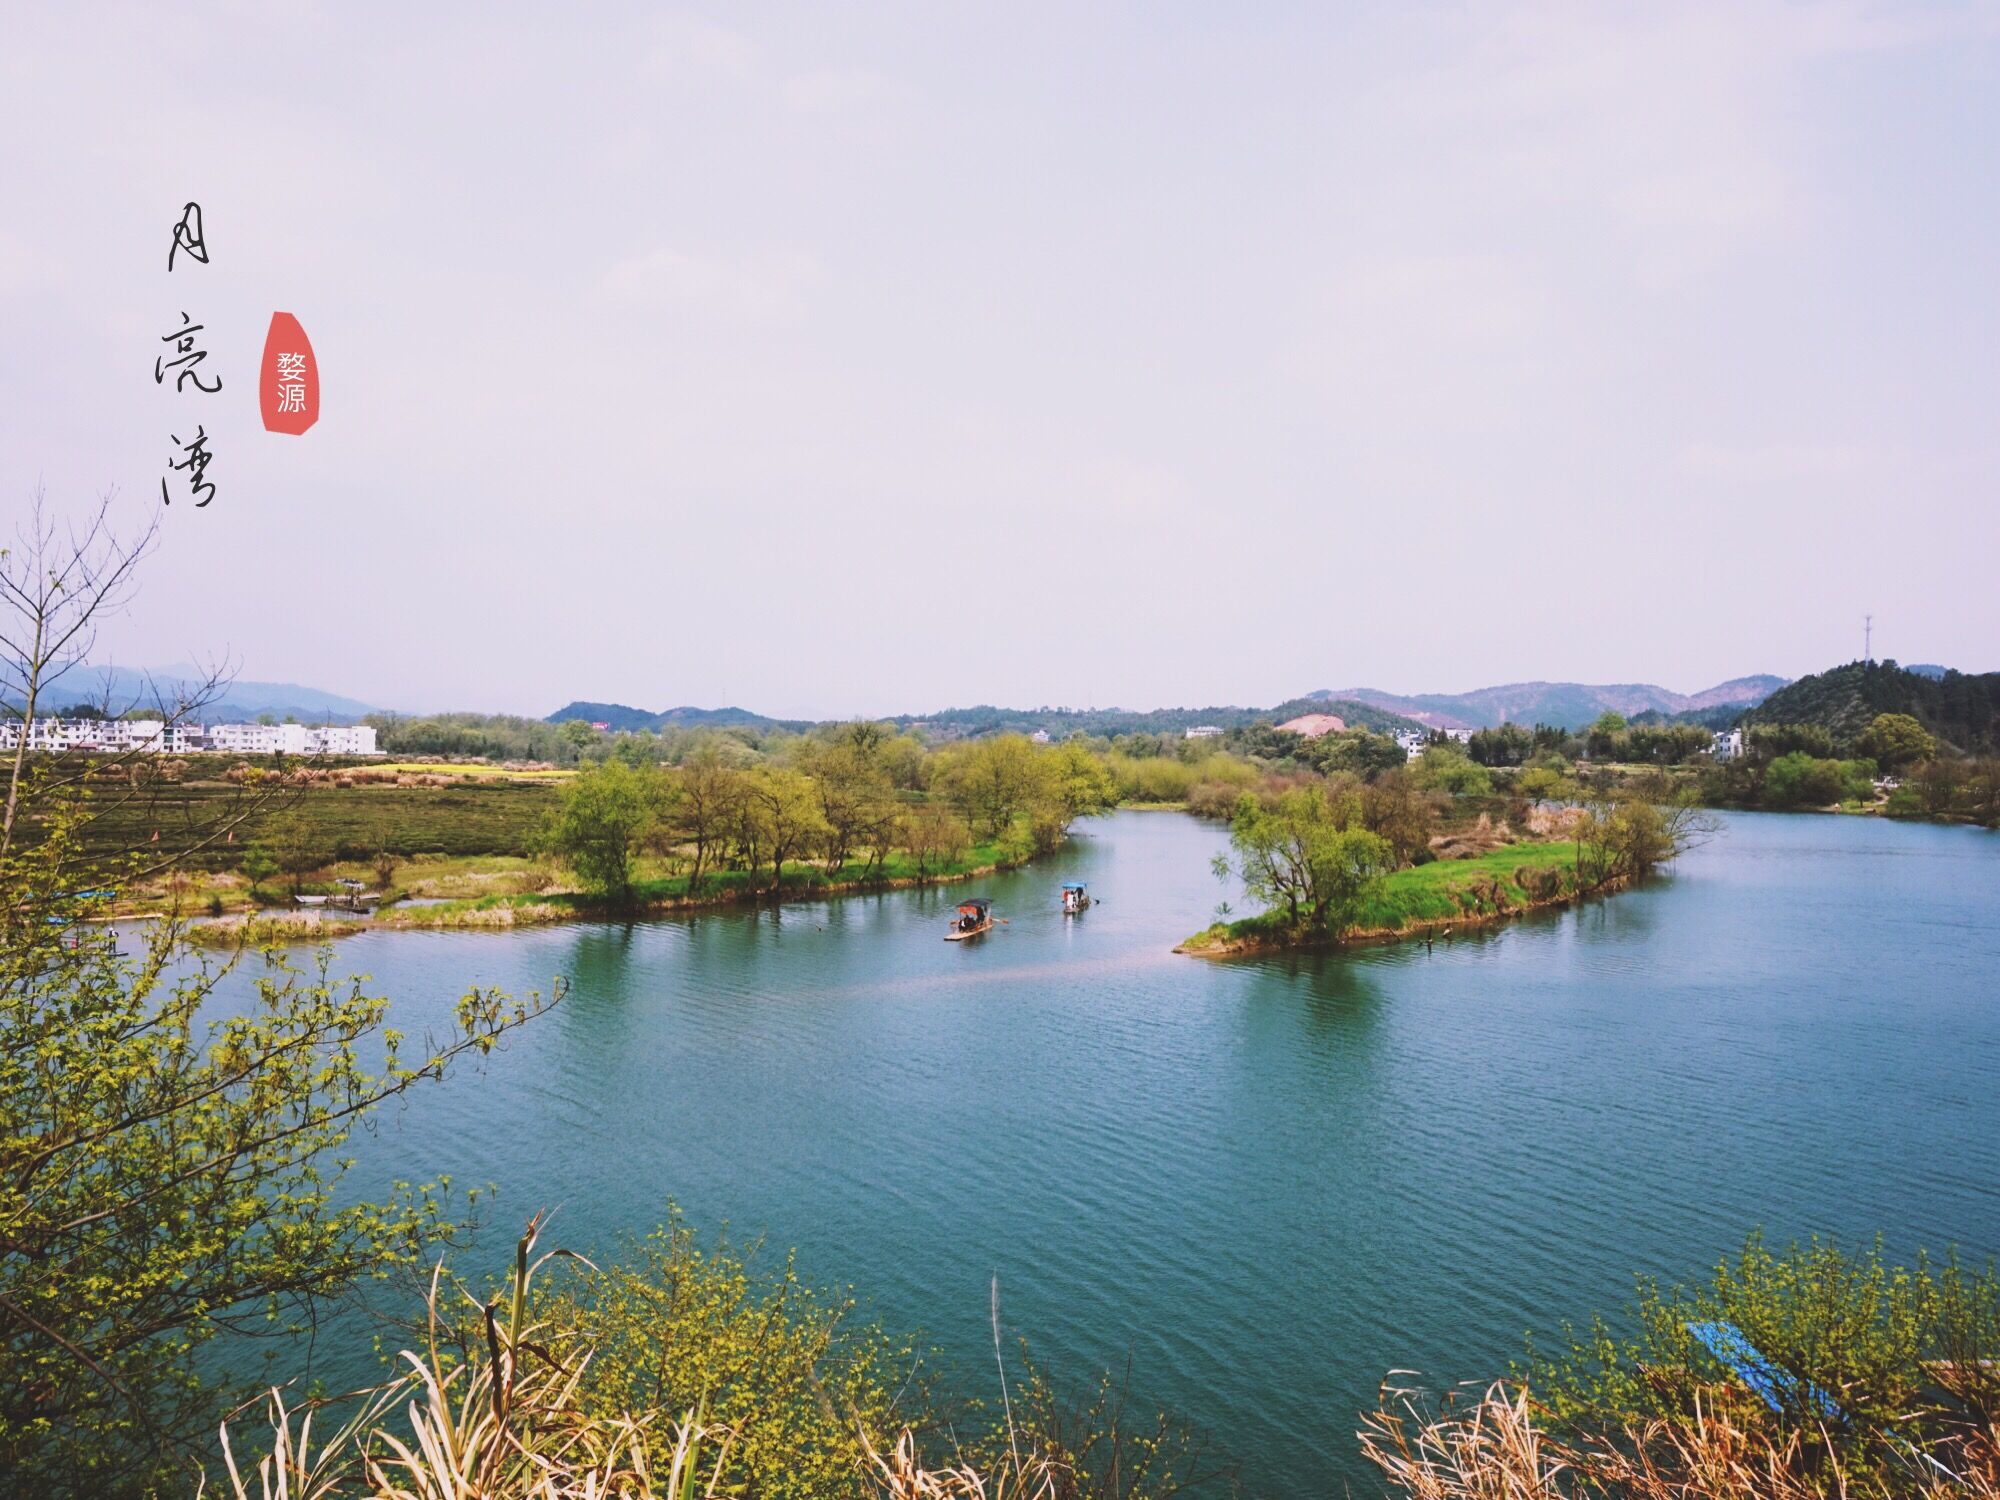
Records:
x=1267, y=1181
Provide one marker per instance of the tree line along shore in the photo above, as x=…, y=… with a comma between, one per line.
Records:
x=650, y=822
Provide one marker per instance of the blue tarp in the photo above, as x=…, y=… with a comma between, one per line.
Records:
x=1774, y=1385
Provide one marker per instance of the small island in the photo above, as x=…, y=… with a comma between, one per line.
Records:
x=1336, y=863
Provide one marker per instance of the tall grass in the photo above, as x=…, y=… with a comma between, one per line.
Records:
x=504, y=1406
x=502, y=1423
x=1497, y=1447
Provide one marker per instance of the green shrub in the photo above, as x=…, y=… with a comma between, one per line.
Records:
x=680, y=1324
x=1902, y=1348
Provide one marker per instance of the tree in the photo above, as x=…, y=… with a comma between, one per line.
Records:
x=1445, y=768
x=1802, y=780
x=576, y=736
x=603, y=817
x=784, y=806
x=1769, y=741
x=1508, y=745
x=1358, y=751
x=296, y=845
x=991, y=781
x=855, y=798
x=169, y=1165
x=1626, y=835
x=1544, y=783
x=1893, y=741
x=1395, y=808
x=1307, y=854
x=1605, y=736
x=934, y=836
x=57, y=581
x=707, y=803
x=165, y=1178
x=1071, y=782
x=258, y=865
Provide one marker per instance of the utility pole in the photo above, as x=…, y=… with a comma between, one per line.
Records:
x=1868, y=638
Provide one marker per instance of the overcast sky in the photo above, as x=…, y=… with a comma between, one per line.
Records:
x=845, y=359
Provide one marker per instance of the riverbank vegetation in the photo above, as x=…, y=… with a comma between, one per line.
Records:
x=849, y=807
x=1338, y=861
x=885, y=806
x=1846, y=1376
x=1893, y=766
x=846, y=807
x=688, y=1373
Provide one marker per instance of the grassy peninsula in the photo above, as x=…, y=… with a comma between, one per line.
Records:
x=1419, y=900
x=1340, y=860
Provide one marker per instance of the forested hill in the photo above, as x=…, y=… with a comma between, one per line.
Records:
x=622, y=718
x=1567, y=705
x=1960, y=708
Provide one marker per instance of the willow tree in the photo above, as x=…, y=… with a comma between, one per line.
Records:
x=1307, y=856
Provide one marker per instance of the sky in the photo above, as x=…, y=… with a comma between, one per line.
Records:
x=888, y=357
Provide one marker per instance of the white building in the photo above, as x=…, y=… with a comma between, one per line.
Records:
x=56, y=736
x=1203, y=732
x=258, y=739
x=1039, y=737
x=1727, y=745
x=342, y=739
x=292, y=739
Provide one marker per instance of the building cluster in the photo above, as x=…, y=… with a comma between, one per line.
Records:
x=123, y=736
x=1203, y=732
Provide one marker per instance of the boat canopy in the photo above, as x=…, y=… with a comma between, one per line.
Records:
x=976, y=906
x=1072, y=885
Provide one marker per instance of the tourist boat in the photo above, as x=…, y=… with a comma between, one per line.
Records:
x=974, y=917
x=1074, y=897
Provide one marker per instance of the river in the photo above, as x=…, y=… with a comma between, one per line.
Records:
x=1266, y=1181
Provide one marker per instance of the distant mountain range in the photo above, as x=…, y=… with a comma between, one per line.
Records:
x=1568, y=705
x=120, y=688
x=985, y=719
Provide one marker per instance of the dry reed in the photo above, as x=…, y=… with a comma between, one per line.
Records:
x=1494, y=1449
x=502, y=1417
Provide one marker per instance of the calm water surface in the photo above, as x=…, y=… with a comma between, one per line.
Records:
x=1267, y=1182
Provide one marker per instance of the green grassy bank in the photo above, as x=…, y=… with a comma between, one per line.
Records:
x=1445, y=894
x=656, y=893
